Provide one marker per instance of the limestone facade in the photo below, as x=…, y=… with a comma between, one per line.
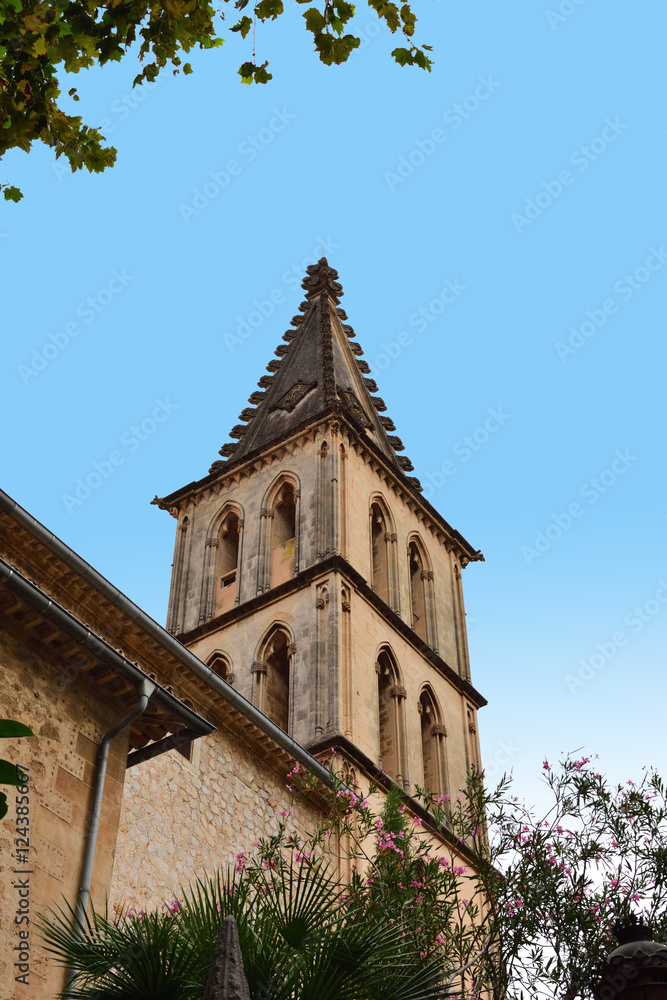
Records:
x=60, y=761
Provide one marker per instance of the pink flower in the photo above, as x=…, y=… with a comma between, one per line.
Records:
x=416, y=820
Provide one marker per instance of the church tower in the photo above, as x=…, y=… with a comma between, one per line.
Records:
x=312, y=575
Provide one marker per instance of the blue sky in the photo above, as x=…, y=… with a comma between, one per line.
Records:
x=527, y=171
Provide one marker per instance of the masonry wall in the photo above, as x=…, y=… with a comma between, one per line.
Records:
x=181, y=821
x=67, y=721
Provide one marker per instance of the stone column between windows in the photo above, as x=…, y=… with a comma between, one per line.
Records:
x=321, y=655
x=462, y=617
x=391, y=543
x=264, y=562
x=207, y=595
x=178, y=573
x=431, y=622
x=239, y=562
x=322, y=501
x=297, y=532
x=258, y=674
x=334, y=492
x=346, y=663
x=398, y=694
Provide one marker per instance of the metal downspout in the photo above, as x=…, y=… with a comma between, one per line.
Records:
x=145, y=690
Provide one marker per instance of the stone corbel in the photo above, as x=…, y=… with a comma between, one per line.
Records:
x=398, y=692
x=437, y=729
x=258, y=667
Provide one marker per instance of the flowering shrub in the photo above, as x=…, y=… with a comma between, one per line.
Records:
x=466, y=897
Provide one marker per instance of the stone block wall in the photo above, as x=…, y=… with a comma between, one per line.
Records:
x=183, y=820
x=68, y=721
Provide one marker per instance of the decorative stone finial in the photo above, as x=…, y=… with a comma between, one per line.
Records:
x=226, y=978
x=320, y=278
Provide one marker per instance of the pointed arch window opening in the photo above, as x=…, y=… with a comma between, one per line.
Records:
x=283, y=535
x=391, y=750
x=433, y=736
x=227, y=559
x=220, y=665
x=380, y=556
x=273, y=679
x=384, y=575
x=418, y=604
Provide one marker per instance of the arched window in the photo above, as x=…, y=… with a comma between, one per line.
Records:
x=221, y=666
x=273, y=678
x=221, y=582
x=432, y=737
x=418, y=606
x=226, y=563
x=379, y=553
x=390, y=717
x=283, y=535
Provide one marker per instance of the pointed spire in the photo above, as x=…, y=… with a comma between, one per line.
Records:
x=316, y=369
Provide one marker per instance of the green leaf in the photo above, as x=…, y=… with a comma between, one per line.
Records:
x=314, y=20
x=187, y=69
x=261, y=73
x=269, y=9
x=8, y=728
x=246, y=71
x=3, y=805
x=244, y=26
x=10, y=774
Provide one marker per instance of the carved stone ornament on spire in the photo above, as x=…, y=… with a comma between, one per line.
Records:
x=320, y=278
x=226, y=978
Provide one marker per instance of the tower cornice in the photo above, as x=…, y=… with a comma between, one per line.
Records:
x=336, y=564
x=232, y=472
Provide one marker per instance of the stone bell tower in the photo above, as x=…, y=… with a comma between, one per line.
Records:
x=310, y=572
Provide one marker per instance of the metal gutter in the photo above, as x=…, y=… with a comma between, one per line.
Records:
x=37, y=599
x=167, y=641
